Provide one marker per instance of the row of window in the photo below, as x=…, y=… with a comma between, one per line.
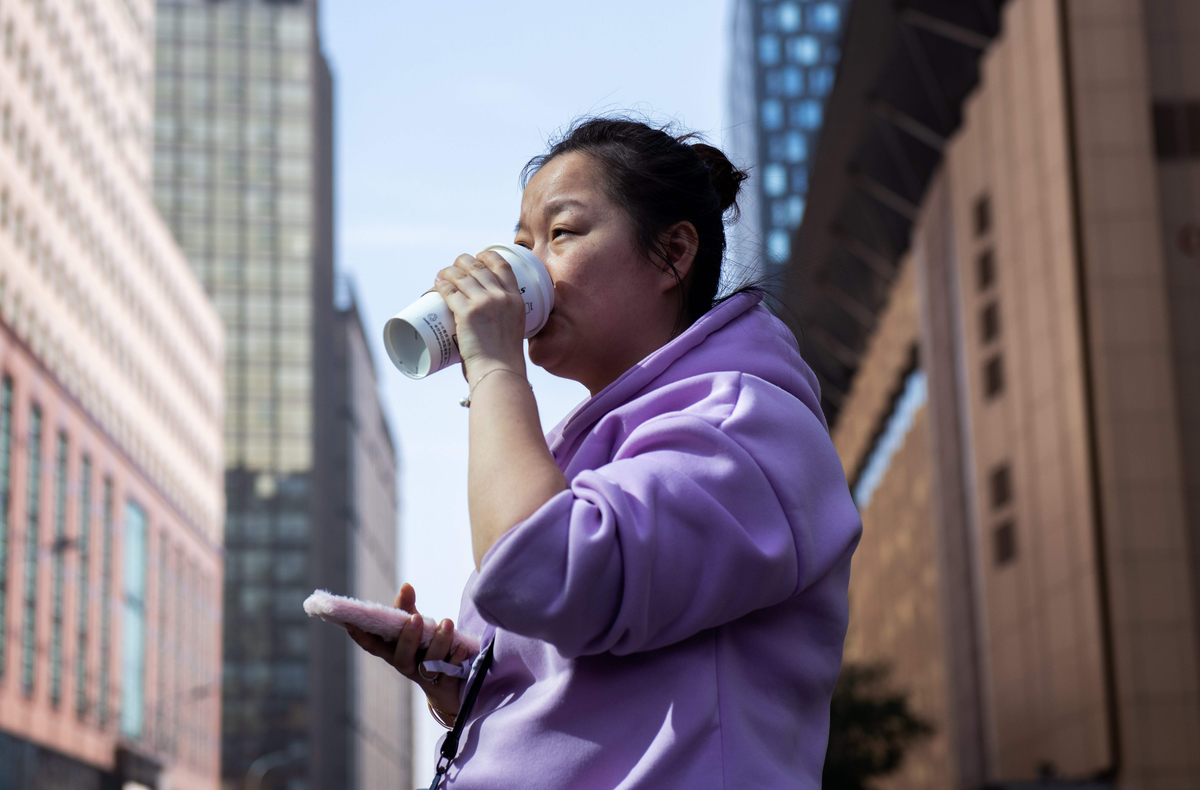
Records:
x=234, y=22
x=101, y=405
x=222, y=59
x=62, y=543
x=1000, y=491
x=112, y=121
x=789, y=17
x=801, y=50
x=790, y=81
x=912, y=396
x=27, y=237
x=231, y=97
x=183, y=646
x=264, y=153
x=57, y=197
x=806, y=114
x=90, y=166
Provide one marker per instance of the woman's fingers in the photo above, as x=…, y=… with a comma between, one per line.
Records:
x=404, y=657
x=459, y=655
x=500, y=269
x=443, y=638
x=407, y=599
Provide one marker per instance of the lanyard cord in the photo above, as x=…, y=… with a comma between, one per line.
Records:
x=450, y=745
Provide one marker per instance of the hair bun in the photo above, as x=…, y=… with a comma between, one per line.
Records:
x=726, y=178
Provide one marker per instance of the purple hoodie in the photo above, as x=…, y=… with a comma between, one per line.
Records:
x=675, y=618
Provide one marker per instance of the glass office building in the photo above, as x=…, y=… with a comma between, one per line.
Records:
x=785, y=55
x=243, y=173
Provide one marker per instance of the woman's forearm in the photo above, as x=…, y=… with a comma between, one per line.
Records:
x=510, y=473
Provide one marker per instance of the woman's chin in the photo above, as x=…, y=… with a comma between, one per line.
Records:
x=545, y=352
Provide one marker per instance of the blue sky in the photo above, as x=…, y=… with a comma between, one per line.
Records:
x=438, y=107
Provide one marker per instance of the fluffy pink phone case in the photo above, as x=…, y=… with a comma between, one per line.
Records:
x=375, y=618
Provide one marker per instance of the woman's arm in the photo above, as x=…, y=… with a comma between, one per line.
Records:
x=511, y=472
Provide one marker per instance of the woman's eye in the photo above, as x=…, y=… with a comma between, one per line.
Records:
x=554, y=234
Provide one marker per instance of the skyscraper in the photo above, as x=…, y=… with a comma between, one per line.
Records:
x=243, y=173
x=997, y=284
x=377, y=703
x=111, y=357
x=785, y=55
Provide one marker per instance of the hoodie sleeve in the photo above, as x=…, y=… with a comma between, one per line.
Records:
x=685, y=529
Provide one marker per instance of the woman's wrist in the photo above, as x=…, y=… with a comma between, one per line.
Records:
x=444, y=719
x=478, y=368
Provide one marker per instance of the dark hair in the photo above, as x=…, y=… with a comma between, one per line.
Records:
x=660, y=179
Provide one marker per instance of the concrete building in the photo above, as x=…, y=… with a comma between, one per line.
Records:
x=111, y=401
x=785, y=54
x=243, y=173
x=377, y=702
x=997, y=283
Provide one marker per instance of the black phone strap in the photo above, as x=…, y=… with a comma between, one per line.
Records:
x=450, y=745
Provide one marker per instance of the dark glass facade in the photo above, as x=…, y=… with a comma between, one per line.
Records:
x=242, y=174
x=784, y=64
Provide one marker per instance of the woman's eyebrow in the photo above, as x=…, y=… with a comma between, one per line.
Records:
x=552, y=208
x=555, y=206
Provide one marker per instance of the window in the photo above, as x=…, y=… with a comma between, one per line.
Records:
x=105, y=603
x=993, y=376
x=292, y=29
x=985, y=269
x=289, y=603
x=290, y=678
x=805, y=50
x=59, y=548
x=6, y=397
x=33, y=500
x=133, y=624
x=768, y=50
x=291, y=527
x=795, y=147
x=820, y=80
x=788, y=17
x=771, y=115
x=807, y=114
x=989, y=322
x=911, y=397
x=787, y=213
x=1004, y=540
x=164, y=638
x=778, y=245
x=800, y=179
x=774, y=180
x=83, y=546
x=983, y=215
x=1176, y=129
x=1000, y=486
x=824, y=17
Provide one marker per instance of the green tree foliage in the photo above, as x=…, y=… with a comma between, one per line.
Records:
x=870, y=728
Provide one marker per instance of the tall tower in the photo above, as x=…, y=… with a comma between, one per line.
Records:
x=111, y=358
x=243, y=173
x=785, y=55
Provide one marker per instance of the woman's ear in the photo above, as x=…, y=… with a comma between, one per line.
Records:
x=680, y=244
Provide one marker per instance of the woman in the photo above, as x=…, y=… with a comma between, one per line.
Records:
x=665, y=574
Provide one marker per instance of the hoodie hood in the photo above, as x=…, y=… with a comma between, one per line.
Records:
x=739, y=335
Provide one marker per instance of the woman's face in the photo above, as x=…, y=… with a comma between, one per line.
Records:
x=612, y=306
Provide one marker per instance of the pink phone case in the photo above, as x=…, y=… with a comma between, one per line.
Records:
x=375, y=618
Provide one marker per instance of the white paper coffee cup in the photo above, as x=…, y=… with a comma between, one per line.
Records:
x=422, y=339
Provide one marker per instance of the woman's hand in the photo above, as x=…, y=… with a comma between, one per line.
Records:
x=406, y=655
x=489, y=313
